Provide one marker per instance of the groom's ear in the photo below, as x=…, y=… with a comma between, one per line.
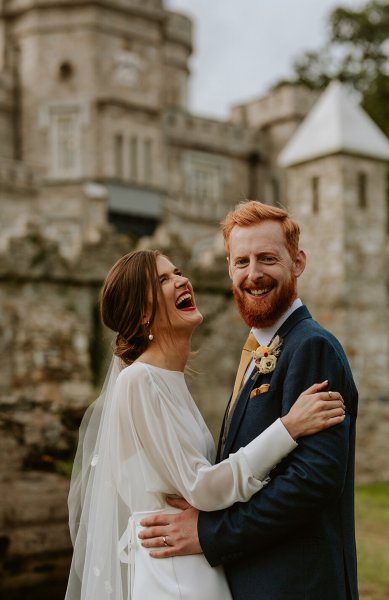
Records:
x=299, y=263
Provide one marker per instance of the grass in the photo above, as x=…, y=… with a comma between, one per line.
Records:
x=372, y=526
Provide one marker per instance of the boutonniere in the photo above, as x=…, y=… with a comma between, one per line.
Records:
x=266, y=356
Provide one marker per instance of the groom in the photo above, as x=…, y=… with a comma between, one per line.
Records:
x=295, y=538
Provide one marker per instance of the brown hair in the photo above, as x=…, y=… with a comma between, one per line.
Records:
x=253, y=212
x=124, y=301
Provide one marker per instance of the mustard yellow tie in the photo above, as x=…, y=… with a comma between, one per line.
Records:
x=250, y=345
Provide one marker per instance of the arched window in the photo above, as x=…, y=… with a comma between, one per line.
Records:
x=65, y=130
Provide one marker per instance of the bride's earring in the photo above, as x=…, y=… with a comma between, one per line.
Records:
x=150, y=336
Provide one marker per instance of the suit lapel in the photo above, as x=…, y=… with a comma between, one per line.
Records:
x=221, y=443
x=239, y=410
x=298, y=315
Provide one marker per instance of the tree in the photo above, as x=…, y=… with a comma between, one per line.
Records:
x=357, y=53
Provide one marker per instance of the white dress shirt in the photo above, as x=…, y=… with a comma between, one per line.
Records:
x=264, y=335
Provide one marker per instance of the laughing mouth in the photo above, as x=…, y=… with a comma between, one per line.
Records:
x=258, y=293
x=185, y=301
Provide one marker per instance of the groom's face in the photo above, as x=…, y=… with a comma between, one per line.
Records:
x=263, y=274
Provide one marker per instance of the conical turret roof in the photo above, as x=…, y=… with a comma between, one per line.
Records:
x=335, y=124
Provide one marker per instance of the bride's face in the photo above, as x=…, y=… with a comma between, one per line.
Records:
x=178, y=297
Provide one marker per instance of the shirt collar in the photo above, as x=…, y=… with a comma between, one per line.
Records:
x=264, y=335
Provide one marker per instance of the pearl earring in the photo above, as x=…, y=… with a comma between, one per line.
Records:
x=150, y=336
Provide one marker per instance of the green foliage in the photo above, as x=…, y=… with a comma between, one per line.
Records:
x=357, y=53
x=372, y=525
x=63, y=467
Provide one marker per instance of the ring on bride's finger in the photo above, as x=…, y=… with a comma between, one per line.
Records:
x=330, y=395
x=164, y=541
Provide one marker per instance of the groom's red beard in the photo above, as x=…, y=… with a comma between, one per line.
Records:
x=266, y=311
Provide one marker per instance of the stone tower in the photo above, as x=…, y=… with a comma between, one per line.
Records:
x=91, y=81
x=275, y=117
x=336, y=191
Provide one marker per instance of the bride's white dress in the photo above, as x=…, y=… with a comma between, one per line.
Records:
x=159, y=445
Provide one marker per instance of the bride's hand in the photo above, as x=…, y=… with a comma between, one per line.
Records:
x=314, y=410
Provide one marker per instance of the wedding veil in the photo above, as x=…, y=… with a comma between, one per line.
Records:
x=96, y=513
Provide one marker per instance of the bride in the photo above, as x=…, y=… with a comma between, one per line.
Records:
x=144, y=439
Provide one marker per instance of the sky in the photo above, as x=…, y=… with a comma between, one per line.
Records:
x=242, y=47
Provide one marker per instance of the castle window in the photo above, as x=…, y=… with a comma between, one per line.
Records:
x=65, y=134
x=315, y=194
x=148, y=161
x=204, y=184
x=65, y=138
x=362, y=190
x=134, y=158
x=118, y=155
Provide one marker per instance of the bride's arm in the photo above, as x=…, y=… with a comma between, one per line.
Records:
x=313, y=411
x=171, y=446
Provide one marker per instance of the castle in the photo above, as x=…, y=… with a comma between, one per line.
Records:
x=96, y=139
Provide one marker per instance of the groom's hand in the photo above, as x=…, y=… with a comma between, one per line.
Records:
x=173, y=535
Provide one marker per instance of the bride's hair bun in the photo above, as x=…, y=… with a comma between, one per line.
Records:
x=124, y=302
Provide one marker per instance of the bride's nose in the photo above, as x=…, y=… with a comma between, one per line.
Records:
x=181, y=281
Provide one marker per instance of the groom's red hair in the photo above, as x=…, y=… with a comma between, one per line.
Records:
x=252, y=212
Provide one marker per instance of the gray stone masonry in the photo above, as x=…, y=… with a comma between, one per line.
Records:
x=52, y=350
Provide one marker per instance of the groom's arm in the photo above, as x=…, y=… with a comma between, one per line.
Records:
x=313, y=478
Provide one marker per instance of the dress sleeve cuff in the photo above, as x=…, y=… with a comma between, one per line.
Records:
x=268, y=449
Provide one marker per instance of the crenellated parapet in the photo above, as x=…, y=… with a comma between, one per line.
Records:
x=187, y=130
x=282, y=103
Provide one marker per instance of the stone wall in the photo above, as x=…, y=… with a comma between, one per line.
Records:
x=52, y=349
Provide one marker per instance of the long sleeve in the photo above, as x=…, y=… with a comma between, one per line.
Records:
x=311, y=479
x=167, y=435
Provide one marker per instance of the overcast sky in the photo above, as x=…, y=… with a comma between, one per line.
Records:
x=242, y=47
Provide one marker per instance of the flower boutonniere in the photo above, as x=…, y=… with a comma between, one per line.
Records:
x=266, y=356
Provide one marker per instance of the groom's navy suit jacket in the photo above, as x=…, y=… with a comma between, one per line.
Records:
x=295, y=538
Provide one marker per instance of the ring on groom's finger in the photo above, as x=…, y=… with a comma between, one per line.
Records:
x=164, y=541
x=330, y=395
